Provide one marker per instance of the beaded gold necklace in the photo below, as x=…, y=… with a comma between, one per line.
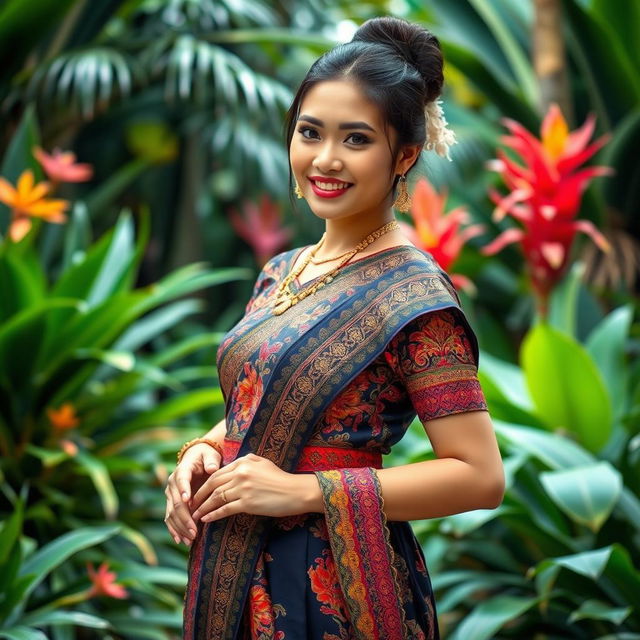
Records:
x=284, y=298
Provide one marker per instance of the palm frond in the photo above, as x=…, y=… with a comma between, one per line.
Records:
x=196, y=69
x=248, y=149
x=84, y=81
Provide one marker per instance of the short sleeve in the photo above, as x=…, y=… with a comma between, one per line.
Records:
x=434, y=355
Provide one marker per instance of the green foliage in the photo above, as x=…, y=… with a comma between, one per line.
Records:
x=560, y=555
x=92, y=403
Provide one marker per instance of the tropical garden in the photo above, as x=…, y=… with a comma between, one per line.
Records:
x=143, y=185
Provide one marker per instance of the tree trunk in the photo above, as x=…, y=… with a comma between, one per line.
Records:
x=549, y=59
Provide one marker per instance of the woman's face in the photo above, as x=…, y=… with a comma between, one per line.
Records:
x=339, y=152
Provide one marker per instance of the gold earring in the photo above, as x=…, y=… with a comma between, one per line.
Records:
x=298, y=191
x=403, y=200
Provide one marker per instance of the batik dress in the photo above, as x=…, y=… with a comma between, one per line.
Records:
x=346, y=573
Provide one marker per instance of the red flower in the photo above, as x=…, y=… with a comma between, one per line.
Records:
x=61, y=166
x=260, y=227
x=438, y=232
x=262, y=618
x=545, y=195
x=324, y=583
x=104, y=583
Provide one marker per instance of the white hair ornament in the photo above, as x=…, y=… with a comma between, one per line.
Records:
x=439, y=137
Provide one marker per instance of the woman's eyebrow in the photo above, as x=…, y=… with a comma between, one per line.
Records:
x=342, y=125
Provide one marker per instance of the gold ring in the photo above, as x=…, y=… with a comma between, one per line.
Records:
x=224, y=498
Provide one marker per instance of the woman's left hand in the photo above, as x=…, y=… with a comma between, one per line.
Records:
x=250, y=484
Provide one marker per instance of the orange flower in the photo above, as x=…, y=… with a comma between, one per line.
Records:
x=438, y=232
x=104, y=583
x=61, y=166
x=29, y=200
x=63, y=418
x=249, y=393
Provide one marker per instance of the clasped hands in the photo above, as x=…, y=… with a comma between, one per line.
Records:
x=200, y=490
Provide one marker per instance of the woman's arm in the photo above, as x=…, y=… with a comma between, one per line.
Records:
x=467, y=475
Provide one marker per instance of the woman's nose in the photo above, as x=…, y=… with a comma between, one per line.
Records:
x=327, y=159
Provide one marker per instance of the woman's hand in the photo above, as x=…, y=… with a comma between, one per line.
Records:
x=196, y=466
x=252, y=484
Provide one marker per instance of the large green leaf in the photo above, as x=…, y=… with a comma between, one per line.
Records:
x=610, y=568
x=55, y=553
x=22, y=633
x=21, y=340
x=607, y=344
x=491, y=615
x=77, y=237
x=500, y=27
x=75, y=618
x=101, y=479
x=509, y=379
x=566, y=386
x=623, y=18
x=10, y=531
x=97, y=276
x=169, y=410
x=611, y=76
x=586, y=494
x=554, y=450
x=598, y=610
x=22, y=286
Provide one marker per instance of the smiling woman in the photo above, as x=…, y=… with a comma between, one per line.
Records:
x=296, y=530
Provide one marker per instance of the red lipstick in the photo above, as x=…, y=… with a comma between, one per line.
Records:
x=328, y=193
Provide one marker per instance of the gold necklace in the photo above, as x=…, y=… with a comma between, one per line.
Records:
x=284, y=298
x=342, y=255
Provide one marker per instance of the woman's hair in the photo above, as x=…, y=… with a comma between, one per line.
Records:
x=398, y=66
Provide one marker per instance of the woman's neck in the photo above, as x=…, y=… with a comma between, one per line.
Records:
x=344, y=234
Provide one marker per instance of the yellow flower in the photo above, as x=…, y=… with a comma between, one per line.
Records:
x=63, y=418
x=28, y=199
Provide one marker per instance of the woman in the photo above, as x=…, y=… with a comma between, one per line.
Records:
x=295, y=529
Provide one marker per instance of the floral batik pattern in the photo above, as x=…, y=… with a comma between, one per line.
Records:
x=427, y=369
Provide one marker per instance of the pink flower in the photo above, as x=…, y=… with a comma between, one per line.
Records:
x=61, y=166
x=260, y=226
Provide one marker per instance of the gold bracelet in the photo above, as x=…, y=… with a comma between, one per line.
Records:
x=191, y=443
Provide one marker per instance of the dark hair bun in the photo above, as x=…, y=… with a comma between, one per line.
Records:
x=418, y=46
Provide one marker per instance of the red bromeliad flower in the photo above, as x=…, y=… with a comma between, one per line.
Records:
x=260, y=227
x=545, y=195
x=104, y=583
x=438, y=232
x=61, y=166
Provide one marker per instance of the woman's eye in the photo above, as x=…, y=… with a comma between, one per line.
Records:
x=359, y=138
x=304, y=130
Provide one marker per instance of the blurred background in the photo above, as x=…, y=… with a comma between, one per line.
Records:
x=144, y=183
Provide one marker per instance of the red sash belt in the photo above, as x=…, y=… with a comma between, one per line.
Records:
x=317, y=458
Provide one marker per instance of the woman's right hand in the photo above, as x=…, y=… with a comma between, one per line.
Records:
x=197, y=464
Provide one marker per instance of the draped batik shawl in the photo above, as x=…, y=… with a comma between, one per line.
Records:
x=303, y=365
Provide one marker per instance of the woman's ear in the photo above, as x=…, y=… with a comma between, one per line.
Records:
x=407, y=157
